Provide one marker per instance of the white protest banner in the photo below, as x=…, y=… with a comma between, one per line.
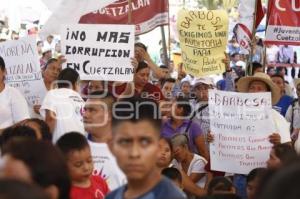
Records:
x=241, y=124
x=99, y=52
x=23, y=67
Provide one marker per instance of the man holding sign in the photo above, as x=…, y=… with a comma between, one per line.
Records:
x=243, y=136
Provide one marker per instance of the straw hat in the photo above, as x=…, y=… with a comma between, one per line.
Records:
x=243, y=85
x=296, y=82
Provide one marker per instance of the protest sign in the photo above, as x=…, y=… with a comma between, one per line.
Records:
x=99, y=52
x=203, y=40
x=283, y=24
x=23, y=67
x=241, y=124
x=145, y=14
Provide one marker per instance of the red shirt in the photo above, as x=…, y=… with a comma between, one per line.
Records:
x=97, y=190
x=149, y=91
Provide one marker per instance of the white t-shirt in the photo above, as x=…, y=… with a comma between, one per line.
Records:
x=68, y=106
x=13, y=107
x=105, y=165
x=197, y=165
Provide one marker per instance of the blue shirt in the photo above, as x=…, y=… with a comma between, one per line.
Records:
x=163, y=190
x=283, y=104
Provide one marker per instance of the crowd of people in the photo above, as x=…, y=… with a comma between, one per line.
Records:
x=148, y=138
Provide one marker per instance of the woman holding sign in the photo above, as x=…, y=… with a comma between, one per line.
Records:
x=13, y=106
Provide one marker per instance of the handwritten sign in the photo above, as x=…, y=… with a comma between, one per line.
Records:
x=241, y=124
x=23, y=67
x=99, y=52
x=203, y=39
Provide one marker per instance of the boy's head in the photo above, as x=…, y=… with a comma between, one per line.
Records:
x=220, y=185
x=78, y=155
x=136, y=132
x=168, y=87
x=98, y=112
x=174, y=175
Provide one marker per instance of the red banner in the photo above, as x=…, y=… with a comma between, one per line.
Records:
x=284, y=22
x=146, y=14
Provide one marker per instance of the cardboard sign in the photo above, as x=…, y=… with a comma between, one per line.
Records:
x=241, y=124
x=203, y=39
x=283, y=24
x=99, y=52
x=23, y=68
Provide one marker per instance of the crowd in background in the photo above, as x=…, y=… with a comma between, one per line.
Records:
x=97, y=139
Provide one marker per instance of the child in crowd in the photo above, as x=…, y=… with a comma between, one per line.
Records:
x=220, y=185
x=80, y=164
x=254, y=178
x=281, y=155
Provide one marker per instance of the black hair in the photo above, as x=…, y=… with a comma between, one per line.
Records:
x=39, y=42
x=168, y=141
x=2, y=64
x=163, y=66
x=43, y=127
x=66, y=77
x=141, y=66
x=136, y=109
x=44, y=161
x=255, y=66
x=171, y=80
x=141, y=45
x=72, y=141
x=184, y=103
x=285, y=153
x=256, y=173
x=50, y=61
x=16, y=131
x=234, y=54
x=172, y=173
x=219, y=183
x=222, y=196
x=15, y=189
x=279, y=68
x=278, y=75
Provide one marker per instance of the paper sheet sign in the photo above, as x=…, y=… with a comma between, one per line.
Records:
x=23, y=67
x=99, y=52
x=203, y=39
x=241, y=124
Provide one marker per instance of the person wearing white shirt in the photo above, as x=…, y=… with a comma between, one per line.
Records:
x=97, y=120
x=50, y=74
x=13, y=106
x=62, y=107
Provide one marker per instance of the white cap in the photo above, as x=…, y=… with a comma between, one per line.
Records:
x=241, y=63
x=187, y=78
x=203, y=80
